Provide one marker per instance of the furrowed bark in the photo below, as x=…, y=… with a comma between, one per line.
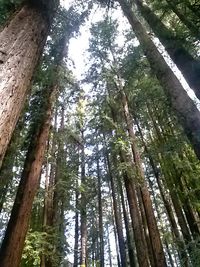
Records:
x=21, y=44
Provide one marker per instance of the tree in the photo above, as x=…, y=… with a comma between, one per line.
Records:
x=21, y=45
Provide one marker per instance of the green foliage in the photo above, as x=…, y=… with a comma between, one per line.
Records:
x=38, y=244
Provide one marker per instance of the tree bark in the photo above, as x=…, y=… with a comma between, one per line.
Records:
x=21, y=44
x=13, y=242
x=186, y=110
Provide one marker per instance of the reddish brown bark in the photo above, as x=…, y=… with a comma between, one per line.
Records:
x=12, y=246
x=21, y=44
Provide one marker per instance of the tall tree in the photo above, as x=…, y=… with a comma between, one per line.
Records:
x=186, y=110
x=22, y=42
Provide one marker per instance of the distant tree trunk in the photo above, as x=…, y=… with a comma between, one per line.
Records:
x=109, y=247
x=21, y=44
x=118, y=219
x=141, y=248
x=83, y=207
x=154, y=234
x=76, y=229
x=126, y=221
x=140, y=242
x=13, y=242
x=100, y=213
x=189, y=66
x=145, y=227
x=186, y=110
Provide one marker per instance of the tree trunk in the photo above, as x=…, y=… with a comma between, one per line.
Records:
x=189, y=66
x=100, y=214
x=154, y=234
x=83, y=207
x=186, y=110
x=13, y=242
x=76, y=229
x=142, y=253
x=21, y=44
x=132, y=260
x=118, y=219
x=109, y=247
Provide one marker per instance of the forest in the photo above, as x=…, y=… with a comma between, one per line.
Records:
x=99, y=151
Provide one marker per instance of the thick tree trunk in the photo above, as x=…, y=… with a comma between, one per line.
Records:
x=13, y=242
x=186, y=110
x=21, y=44
x=189, y=66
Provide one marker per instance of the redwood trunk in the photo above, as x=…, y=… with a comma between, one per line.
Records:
x=13, y=242
x=21, y=44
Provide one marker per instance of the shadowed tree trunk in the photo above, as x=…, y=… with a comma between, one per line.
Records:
x=21, y=44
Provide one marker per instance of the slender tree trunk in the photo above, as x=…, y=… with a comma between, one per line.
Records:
x=83, y=208
x=76, y=229
x=109, y=247
x=118, y=219
x=13, y=242
x=21, y=44
x=186, y=110
x=189, y=66
x=132, y=259
x=140, y=243
x=142, y=253
x=100, y=214
x=154, y=234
